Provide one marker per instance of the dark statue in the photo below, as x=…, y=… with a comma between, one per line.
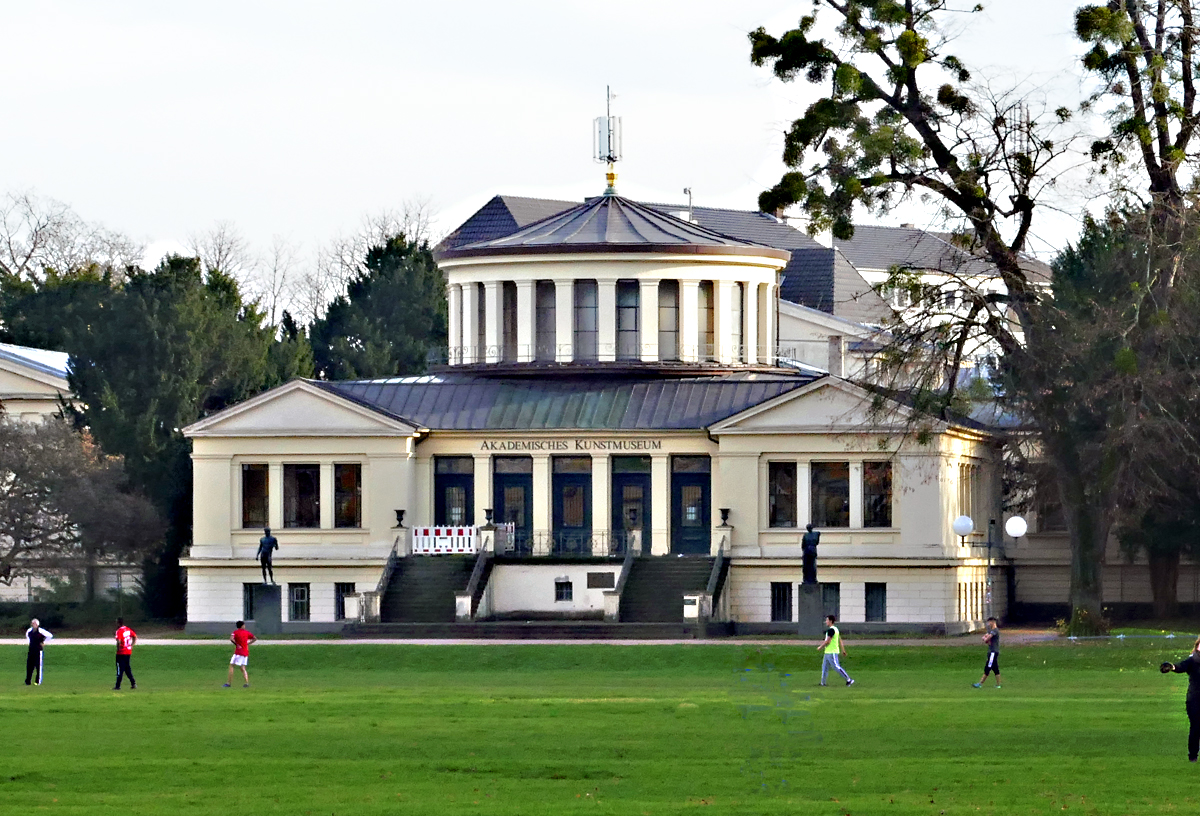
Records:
x=808, y=549
x=266, y=545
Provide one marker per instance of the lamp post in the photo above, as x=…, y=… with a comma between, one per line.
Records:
x=1015, y=527
x=987, y=598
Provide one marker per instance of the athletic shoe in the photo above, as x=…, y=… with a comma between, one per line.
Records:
x=977, y=685
x=997, y=687
x=245, y=685
x=116, y=688
x=822, y=685
x=225, y=685
x=849, y=682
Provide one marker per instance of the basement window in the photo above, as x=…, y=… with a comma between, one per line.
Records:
x=563, y=590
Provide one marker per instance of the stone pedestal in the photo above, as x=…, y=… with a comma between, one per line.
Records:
x=268, y=609
x=810, y=611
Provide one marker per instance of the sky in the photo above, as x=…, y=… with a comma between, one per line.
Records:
x=295, y=119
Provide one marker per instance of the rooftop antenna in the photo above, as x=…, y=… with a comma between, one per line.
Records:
x=688, y=190
x=606, y=138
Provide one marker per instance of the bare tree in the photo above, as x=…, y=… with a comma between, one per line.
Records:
x=224, y=247
x=274, y=284
x=38, y=235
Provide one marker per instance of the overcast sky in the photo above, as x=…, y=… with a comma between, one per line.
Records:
x=297, y=118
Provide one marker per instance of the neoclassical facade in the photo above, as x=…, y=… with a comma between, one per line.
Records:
x=611, y=437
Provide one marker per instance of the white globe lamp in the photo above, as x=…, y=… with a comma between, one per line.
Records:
x=963, y=527
x=1016, y=527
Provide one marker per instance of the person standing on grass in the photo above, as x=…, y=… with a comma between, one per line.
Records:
x=241, y=640
x=37, y=637
x=1190, y=666
x=126, y=640
x=992, y=638
x=833, y=647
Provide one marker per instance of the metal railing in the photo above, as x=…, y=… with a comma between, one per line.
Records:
x=708, y=353
x=560, y=544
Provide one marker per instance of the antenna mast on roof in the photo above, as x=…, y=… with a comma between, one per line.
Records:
x=606, y=140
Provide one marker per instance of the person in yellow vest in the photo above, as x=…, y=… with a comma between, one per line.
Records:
x=833, y=647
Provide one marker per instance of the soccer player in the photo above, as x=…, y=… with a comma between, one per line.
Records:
x=992, y=638
x=126, y=640
x=1190, y=666
x=36, y=636
x=241, y=640
x=832, y=646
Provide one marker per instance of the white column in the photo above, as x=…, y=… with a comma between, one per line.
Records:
x=601, y=501
x=526, y=320
x=493, y=320
x=470, y=323
x=856, y=495
x=803, y=494
x=772, y=338
x=607, y=316
x=750, y=320
x=564, y=320
x=541, y=492
x=274, y=496
x=723, y=321
x=660, y=504
x=326, y=494
x=454, y=339
x=648, y=319
x=483, y=486
x=689, y=320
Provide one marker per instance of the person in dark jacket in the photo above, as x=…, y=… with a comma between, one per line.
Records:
x=37, y=637
x=1190, y=666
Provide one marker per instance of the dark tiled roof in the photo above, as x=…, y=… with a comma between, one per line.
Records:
x=881, y=248
x=502, y=215
x=822, y=278
x=757, y=227
x=458, y=402
x=611, y=223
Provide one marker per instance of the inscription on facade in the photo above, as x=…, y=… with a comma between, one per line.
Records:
x=551, y=445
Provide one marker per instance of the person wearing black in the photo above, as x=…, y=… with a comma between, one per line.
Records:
x=37, y=637
x=1190, y=666
x=266, y=546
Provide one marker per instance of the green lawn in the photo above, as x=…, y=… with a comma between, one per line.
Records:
x=598, y=729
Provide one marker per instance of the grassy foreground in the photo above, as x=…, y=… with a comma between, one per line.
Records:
x=351, y=729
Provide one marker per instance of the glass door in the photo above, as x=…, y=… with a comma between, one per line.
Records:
x=630, y=504
x=691, y=503
x=512, y=497
x=572, y=506
x=454, y=491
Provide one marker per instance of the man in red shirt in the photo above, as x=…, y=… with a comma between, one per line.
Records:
x=126, y=639
x=241, y=640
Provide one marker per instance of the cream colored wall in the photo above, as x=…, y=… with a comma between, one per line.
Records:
x=215, y=594
x=521, y=588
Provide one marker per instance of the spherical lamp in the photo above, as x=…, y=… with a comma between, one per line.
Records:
x=1016, y=527
x=963, y=526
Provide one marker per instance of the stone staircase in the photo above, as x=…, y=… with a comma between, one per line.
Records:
x=654, y=591
x=422, y=588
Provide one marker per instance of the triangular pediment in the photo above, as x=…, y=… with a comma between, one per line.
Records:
x=18, y=379
x=299, y=409
x=828, y=405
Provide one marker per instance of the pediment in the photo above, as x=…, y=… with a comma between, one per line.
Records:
x=26, y=381
x=828, y=405
x=299, y=409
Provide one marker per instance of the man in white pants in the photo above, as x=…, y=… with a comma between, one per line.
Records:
x=832, y=646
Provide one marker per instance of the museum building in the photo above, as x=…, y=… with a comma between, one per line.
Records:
x=611, y=436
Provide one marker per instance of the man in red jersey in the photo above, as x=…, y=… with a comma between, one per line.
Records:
x=126, y=639
x=241, y=640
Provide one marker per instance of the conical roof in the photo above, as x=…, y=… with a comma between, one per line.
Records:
x=611, y=223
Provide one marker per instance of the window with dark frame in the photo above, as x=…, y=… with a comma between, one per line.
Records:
x=830, y=494
x=255, y=494
x=629, y=345
x=508, y=326
x=298, y=602
x=877, y=494
x=563, y=591
x=248, y=601
x=340, y=591
x=781, y=494
x=737, y=317
x=301, y=495
x=347, y=495
x=668, y=320
x=587, y=321
x=545, y=342
x=876, y=603
x=449, y=475
x=831, y=599
x=704, y=302
x=781, y=602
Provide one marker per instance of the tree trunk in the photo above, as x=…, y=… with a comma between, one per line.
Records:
x=1164, y=583
x=1088, y=523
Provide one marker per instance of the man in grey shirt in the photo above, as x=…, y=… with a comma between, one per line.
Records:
x=992, y=638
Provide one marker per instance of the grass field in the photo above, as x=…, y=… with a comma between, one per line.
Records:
x=357, y=729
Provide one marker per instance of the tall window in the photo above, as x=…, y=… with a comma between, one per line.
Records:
x=781, y=601
x=248, y=601
x=831, y=599
x=704, y=300
x=781, y=494
x=587, y=324
x=480, y=323
x=545, y=346
x=876, y=603
x=508, y=308
x=453, y=484
x=340, y=591
x=298, y=602
x=254, y=495
x=668, y=320
x=970, y=494
x=737, y=316
x=830, y=494
x=301, y=495
x=347, y=495
x=629, y=345
x=877, y=494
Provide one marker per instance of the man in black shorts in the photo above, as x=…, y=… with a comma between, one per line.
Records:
x=992, y=638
